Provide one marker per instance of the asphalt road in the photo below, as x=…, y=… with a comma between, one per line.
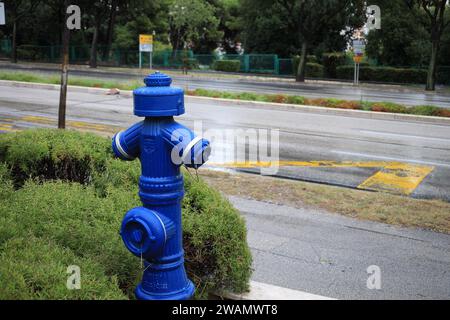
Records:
x=329, y=255
x=301, y=249
x=303, y=136
x=310, y=90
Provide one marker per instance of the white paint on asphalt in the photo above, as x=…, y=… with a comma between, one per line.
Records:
x=373, y=156
x=400, y=135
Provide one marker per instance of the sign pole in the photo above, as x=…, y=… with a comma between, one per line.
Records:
x=140, y=60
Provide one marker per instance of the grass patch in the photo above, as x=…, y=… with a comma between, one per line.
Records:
x=381, y=207
x=246, y=96
x=62, y=200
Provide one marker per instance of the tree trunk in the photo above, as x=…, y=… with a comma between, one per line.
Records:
x=14, y=43
x=110, y=32
x=432, y=68
x=93, y=58
x=301, y=70
x=64, y=73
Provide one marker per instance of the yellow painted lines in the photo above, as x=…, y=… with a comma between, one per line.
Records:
x=7, y=127
x=393, y=177
x=322, y=164
x=398, y=178
x=87, y=126
x=6, y=124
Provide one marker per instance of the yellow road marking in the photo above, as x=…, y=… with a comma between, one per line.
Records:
x=394, y=177
x=6, y=127
x=322, y=164
x=70, y=123
x=398, y=178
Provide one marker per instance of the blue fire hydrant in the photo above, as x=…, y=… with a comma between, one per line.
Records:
x=153, y=232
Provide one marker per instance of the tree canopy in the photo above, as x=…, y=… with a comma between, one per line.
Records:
x=413, y=33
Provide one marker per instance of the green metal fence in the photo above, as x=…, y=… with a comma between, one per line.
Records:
x=250, y=63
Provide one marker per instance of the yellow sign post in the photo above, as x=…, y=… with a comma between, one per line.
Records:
x=145, y=45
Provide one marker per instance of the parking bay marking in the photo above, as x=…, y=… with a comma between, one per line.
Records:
x=394, y=177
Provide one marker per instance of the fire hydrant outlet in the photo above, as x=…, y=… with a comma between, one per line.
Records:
x=145, y=233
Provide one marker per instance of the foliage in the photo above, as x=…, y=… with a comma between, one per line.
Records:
x=331, y=61
x=384, y=74
x=227, y=65
x=327, y=103
x=47, y=224
x=193, y=23
x=313, y=70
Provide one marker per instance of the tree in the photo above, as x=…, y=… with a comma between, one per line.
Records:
x=98, y=11
x=436, y=22
x=64, y=71
x=289, y=27
x=18, y=10
x=314, y=20
x=401, y=41
x=191, y=21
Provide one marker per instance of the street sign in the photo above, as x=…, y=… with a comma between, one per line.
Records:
x=359, y=46
x=358, y=59
x=145, y=43
x=2, y=13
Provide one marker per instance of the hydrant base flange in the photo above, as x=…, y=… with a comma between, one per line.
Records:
x=185, y=294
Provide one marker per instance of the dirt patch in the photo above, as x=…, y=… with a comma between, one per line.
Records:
x=375, y=206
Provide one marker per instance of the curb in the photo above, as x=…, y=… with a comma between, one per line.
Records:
x=262, y=105
x=341, y=83
x=263, y=291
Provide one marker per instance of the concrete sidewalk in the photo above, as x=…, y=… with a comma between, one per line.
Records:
x=328, y=255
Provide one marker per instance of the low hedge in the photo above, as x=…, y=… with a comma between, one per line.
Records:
x=227, y=65
x=383, y=74
x=328, y=103
x=313, y=70
x=51, y=218
x=331, y=61
x=190, y=63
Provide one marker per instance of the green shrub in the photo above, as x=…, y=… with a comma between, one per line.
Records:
x=443, y=75
x=82, y=221
x=383, y=74
x=313, y=70
x=388, y=107
x=312, y=59
x=227, y=65
x=190, y=63
x=34, y=268
x=29, y=52
x=53, y=154
x=296, y=100
x=331, y=61
x=425, y=110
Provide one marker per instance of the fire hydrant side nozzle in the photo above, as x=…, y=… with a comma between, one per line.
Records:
x=154, y=231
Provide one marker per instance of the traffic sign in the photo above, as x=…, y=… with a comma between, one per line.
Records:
x=359, y=46
x=358, y=59
x=2, y=13
x=145, y=43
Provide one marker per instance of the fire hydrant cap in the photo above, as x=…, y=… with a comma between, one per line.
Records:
x=158, y=98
